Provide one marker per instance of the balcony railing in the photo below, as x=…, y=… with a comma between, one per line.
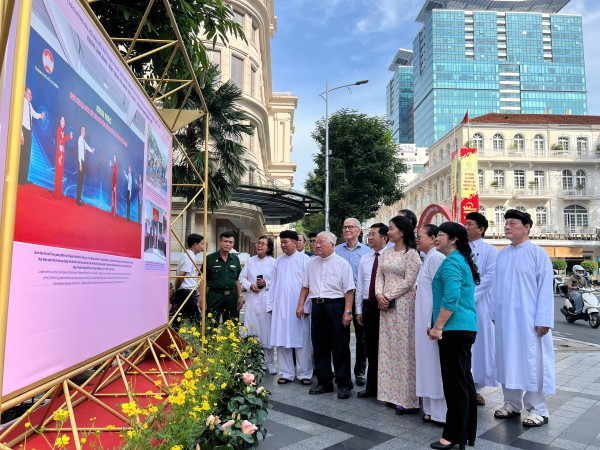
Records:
x=550, y=233
x=536, y=153
x=515, y=192
x=576, y=193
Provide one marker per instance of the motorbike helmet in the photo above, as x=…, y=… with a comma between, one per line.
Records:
x=577, y=268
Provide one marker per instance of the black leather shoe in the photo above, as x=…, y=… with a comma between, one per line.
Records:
x=360, y=380
x=318, y=389
x=440, y=446
x=367, y=393
x=344, y=393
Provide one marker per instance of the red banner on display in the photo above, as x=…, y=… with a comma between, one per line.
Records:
x=469, y=186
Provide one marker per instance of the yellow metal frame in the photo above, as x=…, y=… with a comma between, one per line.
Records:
x=139, y=348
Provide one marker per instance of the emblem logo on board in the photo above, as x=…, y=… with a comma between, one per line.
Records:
x=48, y=61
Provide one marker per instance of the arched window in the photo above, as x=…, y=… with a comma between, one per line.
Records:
x=455, y=144
x=539, y=177
x=567, y=180
x=563, y=143
x=481, y=178
x=478, y=141
x=521, y=208
x=519, y=179
x=518, y=143
x=435, y=192
x=499, y=214
x=580, y=180
x=575, y=216
x=498, y=142
x=539, y=145
x=448, y=187
x=441, y=190
x=541, y=216
x=441, y=153
x=498, y=178
x=448, y=150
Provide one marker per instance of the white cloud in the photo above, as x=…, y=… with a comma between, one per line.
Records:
x=385, y=15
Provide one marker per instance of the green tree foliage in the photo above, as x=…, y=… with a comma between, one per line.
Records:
x=199, y=21
x=227, y=125
x=559, y=264
x=589, y=265
x=364, y=168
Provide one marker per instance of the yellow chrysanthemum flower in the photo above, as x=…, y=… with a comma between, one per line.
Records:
x=62, y=441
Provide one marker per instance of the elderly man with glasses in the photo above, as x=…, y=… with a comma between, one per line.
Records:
x=329, y=284
x=352, y=250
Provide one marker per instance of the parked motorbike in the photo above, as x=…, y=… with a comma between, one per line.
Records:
x=590, y=311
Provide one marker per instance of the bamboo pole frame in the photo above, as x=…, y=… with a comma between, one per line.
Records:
x=147, y=345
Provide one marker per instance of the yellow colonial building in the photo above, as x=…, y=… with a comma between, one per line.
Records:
x=265, y=200
x=547, y=165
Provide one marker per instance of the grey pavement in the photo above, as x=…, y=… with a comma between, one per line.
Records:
x=302, y=421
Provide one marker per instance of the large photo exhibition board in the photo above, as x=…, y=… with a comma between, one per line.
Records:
x=89, y=269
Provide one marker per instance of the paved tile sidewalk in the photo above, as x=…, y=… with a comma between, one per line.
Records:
x=302, y=421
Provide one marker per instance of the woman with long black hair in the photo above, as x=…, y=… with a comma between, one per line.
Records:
x=394, y=288
x=454, y=326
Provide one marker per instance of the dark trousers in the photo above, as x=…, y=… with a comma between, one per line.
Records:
x=221, y=306
x=371, y=332
x=459, y=389
x=128, y=205
x=25, y=156
x=331, y=339
x=360, y=364
x=80, y=175
x=190, y=309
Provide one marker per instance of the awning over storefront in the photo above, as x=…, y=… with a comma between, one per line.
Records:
x=279, y=205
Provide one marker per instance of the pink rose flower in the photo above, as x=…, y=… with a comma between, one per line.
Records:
x=260, y=390
x=247, y=378
x=212, y=420
x=248, y=427
x=228, y=423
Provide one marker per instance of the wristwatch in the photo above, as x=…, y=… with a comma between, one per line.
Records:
x=349, y=312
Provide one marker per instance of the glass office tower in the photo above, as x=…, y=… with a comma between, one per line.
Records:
x=399, y=98
x=493, y=60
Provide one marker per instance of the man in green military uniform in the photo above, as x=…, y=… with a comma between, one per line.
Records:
x=223, y=290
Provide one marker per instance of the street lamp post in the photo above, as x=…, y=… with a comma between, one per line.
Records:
x=326, y=98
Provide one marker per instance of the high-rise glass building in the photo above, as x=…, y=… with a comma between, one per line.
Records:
x=487, y=56
x=399, y=97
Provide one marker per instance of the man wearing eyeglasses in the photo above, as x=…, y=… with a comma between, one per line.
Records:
x=312, y=242
x=351, y=251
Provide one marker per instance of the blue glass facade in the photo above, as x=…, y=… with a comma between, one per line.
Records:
x=488, y=61
x=399, y=105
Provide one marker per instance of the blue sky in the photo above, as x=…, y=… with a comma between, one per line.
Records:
x=344, y=41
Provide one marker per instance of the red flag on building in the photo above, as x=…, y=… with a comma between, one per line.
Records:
x=466, y=118
x=155, y=214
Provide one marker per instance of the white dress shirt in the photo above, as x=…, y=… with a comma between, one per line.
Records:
x=82, y=146
x=28, y=114
x=329, y=277
x=365, y=267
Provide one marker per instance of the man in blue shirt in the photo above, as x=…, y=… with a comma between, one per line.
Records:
x=351, y=251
